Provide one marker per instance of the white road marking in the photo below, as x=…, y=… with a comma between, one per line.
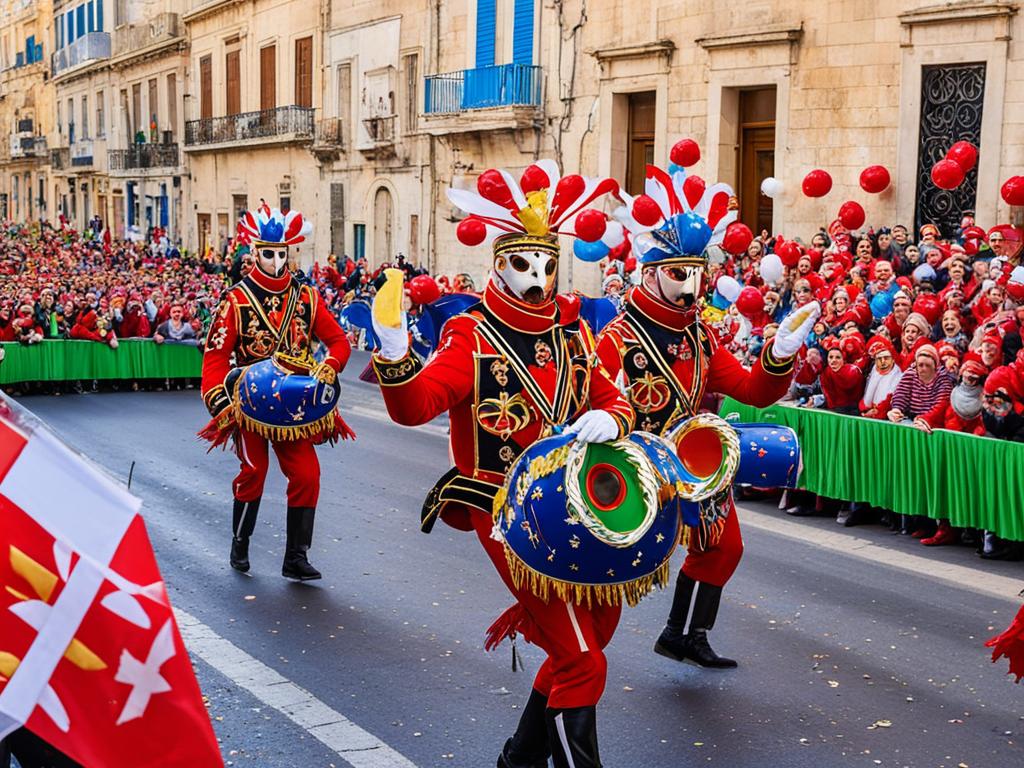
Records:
x=974, y=580
x=357, y=747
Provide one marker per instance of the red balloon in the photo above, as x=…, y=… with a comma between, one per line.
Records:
x=929, y=305
x=964, y=154
x=567, y=191
x=1013, y=190
x=492, y=186
x=693, y=189
x=851, y=215
x=423, y=289
x=750, y=302
x=789, y=252
x=629, y=264
x=646, y=212
x=874, y=179
x=685, y=152
x=947, y=174
x=471, y=231
x=737, y=239
x=590, y=225
x=533, y=178
x=970, y=247
x=817, y=183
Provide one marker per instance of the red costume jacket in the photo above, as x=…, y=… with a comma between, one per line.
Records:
x=666, y=359
x=247, y=324
x=507, y=372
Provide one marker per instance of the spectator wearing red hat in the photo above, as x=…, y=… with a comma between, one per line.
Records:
x=913, y=336
x=991, y=348
x=88, y=327
x=882, y=381
x=901, y=309
x=842, y=382
x=949, y=357
x=923, y=391
x=989, y=303
x=836, y=308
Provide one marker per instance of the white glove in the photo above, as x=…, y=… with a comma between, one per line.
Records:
x=594, y=427
x=394, y=342
x=794, y=330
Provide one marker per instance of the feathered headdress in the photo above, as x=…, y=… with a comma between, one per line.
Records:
x=537, y=208
x=268, y=226
x=677, y=217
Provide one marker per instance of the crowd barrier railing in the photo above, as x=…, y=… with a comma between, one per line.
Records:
x=975, y=482
x=69, y=360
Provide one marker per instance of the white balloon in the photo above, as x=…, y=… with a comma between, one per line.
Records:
x=923, y=272
x=728, y=287
x=771, y=187
x=613, y=235
x=771, y=268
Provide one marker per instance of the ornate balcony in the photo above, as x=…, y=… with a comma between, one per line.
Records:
x=507, y=96
x=144, y=157
x=279, y=125
x=92, y=46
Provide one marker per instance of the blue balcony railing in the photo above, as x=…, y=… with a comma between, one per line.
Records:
x=506, y=85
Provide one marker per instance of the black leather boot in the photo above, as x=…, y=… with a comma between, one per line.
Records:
x=572, y=734
x=300, y=537
x=243, y=523
x=685, y=637
x=528, y=747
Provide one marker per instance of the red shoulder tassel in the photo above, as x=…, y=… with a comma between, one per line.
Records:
x=218, y=435
x=1011, y=645
x=339, y=431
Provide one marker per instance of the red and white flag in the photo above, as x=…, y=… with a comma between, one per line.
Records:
x=91, y=659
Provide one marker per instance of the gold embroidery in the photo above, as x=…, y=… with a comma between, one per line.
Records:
x=499, y=369
x=503, y=415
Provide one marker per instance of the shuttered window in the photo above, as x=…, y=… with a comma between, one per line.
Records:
x=522, y=32
x=486, y=13
x=233, y=73
x=304, y=72
x=205, y=87
x=268, y=77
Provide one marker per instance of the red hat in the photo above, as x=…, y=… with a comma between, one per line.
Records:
x=945, y=349
x=1002, y=379
x=929, y=229
x=974, y=366
x=930, y=306
x=853, y=347
x=992, y=337
x=879, y=344
x=830, y=342
x=974, y=357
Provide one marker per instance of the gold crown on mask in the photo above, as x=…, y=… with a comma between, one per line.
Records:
x=515, y=241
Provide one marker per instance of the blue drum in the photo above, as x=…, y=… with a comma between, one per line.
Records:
x=282, y=405
x=592, y=523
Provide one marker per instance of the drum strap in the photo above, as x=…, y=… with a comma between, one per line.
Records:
x=456, y=487
x=286, y=320
x=651, y=347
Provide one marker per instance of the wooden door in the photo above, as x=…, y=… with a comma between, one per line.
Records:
x=203, y=225
x=757, y=162
x=233, y=72
x=268, y=77
x=304, y=72
x=640, y=140
x=206, y=88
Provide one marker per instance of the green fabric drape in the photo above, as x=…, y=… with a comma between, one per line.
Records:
x=976, y=482
x=73, y=360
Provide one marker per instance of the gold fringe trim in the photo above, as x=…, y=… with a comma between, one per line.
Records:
x=284, y=434
x=632, y=592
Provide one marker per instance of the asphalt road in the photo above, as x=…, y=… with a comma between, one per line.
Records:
x=844, y=661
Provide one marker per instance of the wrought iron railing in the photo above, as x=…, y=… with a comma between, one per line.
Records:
x=250, y=126
x=29, y=146
x=505, y=85
x=142, y=156
x=92, y=45
x=381, y=130
x=330, y=131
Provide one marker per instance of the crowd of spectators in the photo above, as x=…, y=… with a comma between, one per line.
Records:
x=923, y=331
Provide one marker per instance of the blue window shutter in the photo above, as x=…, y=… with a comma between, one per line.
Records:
x=80, y=19
x=486, y=29
x=90, y=16
x=99, y=16
x=30, y=49
x=71, y=26
x=522, y=32
x=131, y=203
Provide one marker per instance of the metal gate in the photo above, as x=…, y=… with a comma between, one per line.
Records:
x=951, y=103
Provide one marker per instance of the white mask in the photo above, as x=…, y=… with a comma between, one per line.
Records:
x=272, y=259
x=680, y=285
x=529, y=275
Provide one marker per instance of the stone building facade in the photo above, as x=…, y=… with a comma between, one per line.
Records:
x=360, y=113
x=26, y=109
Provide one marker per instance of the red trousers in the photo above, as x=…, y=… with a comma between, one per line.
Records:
x=717, y=564
x=298, y=463
x=573, y=636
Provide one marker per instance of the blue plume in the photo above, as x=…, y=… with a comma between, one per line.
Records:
x=272, y=231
